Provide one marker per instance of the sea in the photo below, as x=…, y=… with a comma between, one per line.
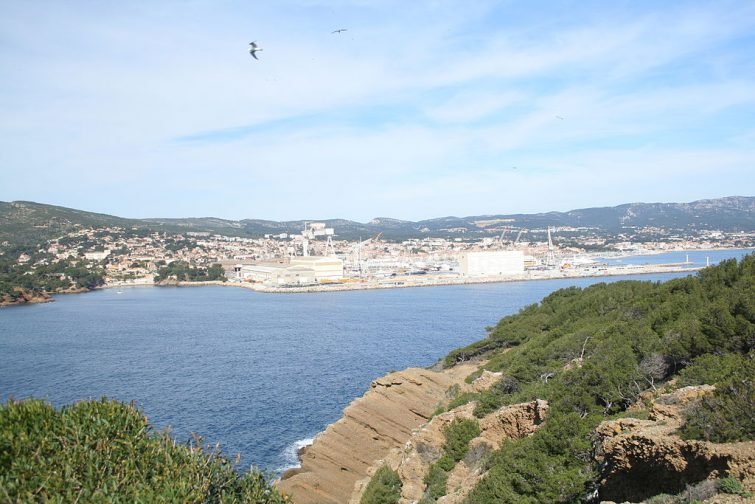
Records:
x=260, y=374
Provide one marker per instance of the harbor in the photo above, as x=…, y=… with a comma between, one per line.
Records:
x=431, y=280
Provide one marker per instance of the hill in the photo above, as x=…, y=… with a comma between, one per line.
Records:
x=29, y=222
x=612, y=363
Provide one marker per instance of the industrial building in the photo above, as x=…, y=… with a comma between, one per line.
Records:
x=276, y=274
x=326, y=268
x=300, y=271
x=508, y=262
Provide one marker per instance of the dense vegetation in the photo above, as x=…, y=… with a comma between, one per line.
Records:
x=184, y=272
x=591, y=352
x=29, y=222
x=384, y=487
x=458, y=434
x=729, y=414
x=50, y=275
x=105, y=451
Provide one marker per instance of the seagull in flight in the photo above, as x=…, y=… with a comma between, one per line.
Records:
x=339, y=30
x=253, y=48
x=559, y=117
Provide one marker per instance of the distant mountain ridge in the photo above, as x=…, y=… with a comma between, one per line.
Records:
x=26, y=221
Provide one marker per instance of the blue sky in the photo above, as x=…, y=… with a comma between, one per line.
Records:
x=420, y=109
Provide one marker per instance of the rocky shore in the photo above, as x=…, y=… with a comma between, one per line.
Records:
x=29, y=297
x=382, y=420
x=26, y=298
x=394, y=424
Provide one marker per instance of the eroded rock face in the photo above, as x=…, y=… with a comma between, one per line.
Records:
x=372, y=425
x=642, y=458
x=412, y=461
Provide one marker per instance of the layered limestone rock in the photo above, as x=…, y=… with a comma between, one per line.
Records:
x=372, y=425
x=642, y=458
x=412, y=461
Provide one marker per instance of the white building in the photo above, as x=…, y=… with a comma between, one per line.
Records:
x=507, y=262
x=325, y=268
x=299, y=271
x=97, y=255
x=276, y=275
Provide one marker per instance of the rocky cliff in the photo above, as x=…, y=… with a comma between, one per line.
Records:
x=393, y=424
x=372, y=425
x=412, y=461
x=642, y=458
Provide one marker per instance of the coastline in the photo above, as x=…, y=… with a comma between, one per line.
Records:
x=401, y=282
x=382, y=419
x=409, y=281
x=30, y=298
x=434, y=281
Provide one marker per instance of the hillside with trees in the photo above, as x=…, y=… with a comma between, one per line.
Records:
x=40, y=275
x=601, y=354
x=592, y=352
x=28, y=222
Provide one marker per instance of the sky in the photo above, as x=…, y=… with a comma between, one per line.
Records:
x=420, y=109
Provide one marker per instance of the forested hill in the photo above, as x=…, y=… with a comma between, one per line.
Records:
x=591, y=352
x=29, y=222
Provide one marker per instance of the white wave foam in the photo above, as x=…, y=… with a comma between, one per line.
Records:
x=291, y=454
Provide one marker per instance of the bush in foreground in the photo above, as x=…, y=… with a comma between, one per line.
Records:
x=106, y=451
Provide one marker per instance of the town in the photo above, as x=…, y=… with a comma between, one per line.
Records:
x=315, y=259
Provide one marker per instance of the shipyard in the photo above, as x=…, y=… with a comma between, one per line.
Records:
x=322, y=265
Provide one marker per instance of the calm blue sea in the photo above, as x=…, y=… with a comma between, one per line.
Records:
x=258, y=373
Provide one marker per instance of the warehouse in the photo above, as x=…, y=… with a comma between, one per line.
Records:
x=509, y=262
x=299, y=271
x=329, y=269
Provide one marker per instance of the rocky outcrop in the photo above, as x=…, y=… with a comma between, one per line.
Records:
x=372, y=425
x=25, y=297
x=642, y=458
x=412, y=461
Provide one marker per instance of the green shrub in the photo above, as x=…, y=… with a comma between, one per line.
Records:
x=551, y=465
x=106, y=451
x=384, y=487
x=445, y=462
x=488, y=402
x=710, y=369
x=462, y=399
x=726, y=416
x=458, y=435
x=436, y=479
x=732, y=486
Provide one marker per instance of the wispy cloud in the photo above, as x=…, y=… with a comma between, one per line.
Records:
x=417, y=107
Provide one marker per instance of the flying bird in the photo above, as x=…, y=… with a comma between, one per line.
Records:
x=559, y=117
x=339, y=30
x=253, y=48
